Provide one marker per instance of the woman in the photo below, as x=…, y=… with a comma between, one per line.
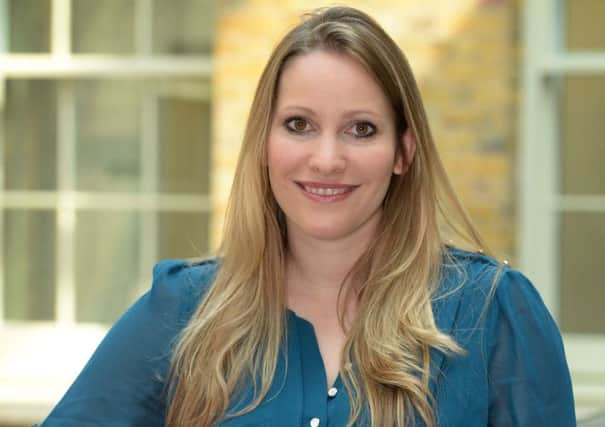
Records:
x=335, y=300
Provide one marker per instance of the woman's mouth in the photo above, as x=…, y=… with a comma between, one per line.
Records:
x=324, y=192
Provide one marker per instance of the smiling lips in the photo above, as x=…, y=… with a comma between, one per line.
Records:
x=322, y=192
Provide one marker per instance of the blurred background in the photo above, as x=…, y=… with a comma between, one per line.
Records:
x=120, y=124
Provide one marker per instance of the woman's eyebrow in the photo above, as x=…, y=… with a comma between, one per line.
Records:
x=297, y=107
x=363, y=112
x=347, y=114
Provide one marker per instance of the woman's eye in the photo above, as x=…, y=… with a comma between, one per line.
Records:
x=363, y=129
x=297, y=125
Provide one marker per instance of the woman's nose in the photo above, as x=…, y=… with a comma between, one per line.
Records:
x=328, y=157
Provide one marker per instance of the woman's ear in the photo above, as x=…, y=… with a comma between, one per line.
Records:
x=405, y=152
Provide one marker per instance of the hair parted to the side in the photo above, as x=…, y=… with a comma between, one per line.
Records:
x=234, y=337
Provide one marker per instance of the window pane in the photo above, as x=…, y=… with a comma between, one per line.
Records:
x=582, y=130
x=108, y=122
x=107, y=264
x=585, y=24
x=182, y=235
x=30, y=135
x=29, y=26
x=582, y=290
x=103, y=26
x=183, y=26
x=184, y=129
x=29, y=262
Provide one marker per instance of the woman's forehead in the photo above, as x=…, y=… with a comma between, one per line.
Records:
x=324, y=78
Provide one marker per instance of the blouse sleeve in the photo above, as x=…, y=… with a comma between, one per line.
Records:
x=123, y=382
x=529, y=380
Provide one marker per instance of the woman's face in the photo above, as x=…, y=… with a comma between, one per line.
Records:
x=332, y=147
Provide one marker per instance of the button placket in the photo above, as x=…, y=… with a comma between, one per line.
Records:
x=315, y=406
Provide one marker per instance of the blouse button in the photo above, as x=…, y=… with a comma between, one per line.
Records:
x=332, y=392
x=314, y=422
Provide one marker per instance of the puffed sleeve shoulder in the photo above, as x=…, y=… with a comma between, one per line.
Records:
x=123, y=383
x=528, y=376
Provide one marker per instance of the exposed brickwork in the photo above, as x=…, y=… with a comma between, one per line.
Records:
x=464, y=54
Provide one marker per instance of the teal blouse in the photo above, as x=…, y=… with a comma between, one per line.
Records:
x=514, y=372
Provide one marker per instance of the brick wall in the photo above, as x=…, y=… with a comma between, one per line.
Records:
x=464, y=54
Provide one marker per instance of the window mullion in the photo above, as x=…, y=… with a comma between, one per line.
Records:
x=537, y=185
x=143, y=27
x=149, y=183
x=4, y=44
x=60, y=43
x=66, y=210
x=4, y=48
x=65, y=303
x=577, y=63
x=148, y=244
x=2, y=270
x=38, y=66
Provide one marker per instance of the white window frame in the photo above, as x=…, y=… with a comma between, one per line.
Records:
x=544, y=61
x=35, y=367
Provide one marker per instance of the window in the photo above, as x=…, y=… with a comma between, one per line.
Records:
x=105, y=149
x=563, y=180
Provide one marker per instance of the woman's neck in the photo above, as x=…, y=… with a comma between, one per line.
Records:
x=316, y=269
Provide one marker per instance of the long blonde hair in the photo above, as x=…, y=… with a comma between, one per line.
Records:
x=233, y=339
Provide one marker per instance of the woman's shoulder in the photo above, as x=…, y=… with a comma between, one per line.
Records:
x=463, y=261
x=477, y=273
x=474, y=284
x=180, y=283
x=514, y=364
x=173, y=274
x=137, y=352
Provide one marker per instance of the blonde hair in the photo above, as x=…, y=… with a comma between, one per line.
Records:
x=234, y=338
